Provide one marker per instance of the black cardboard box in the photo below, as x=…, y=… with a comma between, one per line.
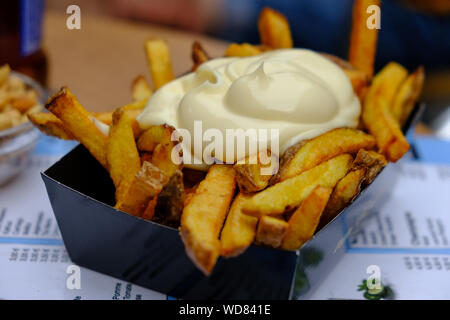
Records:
x=109, y=241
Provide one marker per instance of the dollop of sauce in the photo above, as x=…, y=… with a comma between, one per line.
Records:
x=297, y=91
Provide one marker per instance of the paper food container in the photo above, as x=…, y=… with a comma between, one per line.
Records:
x=150, y=255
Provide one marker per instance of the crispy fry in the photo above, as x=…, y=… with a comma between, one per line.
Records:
x=343, y=194
x=149, y=212
x=304, y=221
x=243, y=50
x=363, y=41
x=307, y=154
x=141, y=89
x=274, y=29
x=76, y=120
x=271, y=231
x=372, y=161
x=407, y=96
x=121, y=153
x=162, y=158
x=252, y=175
x=158, y=57
x=199, y=55
x=170, y=202
x=49, y=124
x=153, y=136
x=239, y=230
x=377, y=116
x=146, y=185
x=203, y=217
x=289, y=193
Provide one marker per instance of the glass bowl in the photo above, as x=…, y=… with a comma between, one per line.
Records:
x=17, y=143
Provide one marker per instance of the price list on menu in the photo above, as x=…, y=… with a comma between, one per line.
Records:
x=33, y=259
x=407, y=240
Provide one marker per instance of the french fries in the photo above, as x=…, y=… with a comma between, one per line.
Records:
x=154, y=136
x=199, y=55
x=377, y=116
x=239, y=230
x=49, y=124
x=254, y=173
x=363, y=41
x=77, y=121
x=243, y=50
x=317, y=178
x=407, y=96
x=146, y=185
x=141, y=90
x=274, y=29
x=344, y=193
x=303, y=222
x=170, y=202
x=372, y=161
x=271, y=231
x=121, y=153
x=289, y=193
x=158, y=57
x=204, y=215
x=307, y=154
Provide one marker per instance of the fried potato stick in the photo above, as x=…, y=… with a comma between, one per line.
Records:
x=377, y=116
x=121, y=153
x=239, y=230
x=271, y=231
x=274, y=29
x=77, y=121
x=307, y=154
x=288, y=194
x=203, y=217
x=363, y=41
x=303, y=222
x=158, y=56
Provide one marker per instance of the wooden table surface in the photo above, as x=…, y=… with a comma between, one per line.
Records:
x=99, y=62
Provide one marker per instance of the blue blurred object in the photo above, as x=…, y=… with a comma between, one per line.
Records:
x=407, y=36
x=429, y=149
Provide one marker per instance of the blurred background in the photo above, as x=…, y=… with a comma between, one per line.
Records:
x=103, y=58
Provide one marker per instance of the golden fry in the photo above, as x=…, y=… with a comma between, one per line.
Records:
x=289, y=193
x=203, y=217
x=307, y=154
x=242, y=50
x=255, y=171
x=372, y=161
x=122, y=155
x=49, y=124
x=271, y=231
x=199, y=55
x=153, y=136
x=146, y=185
x=239, y=230
x=274, y=29
x=77, y=121
x=377, y=115
x=158, y=57
x=407, y=96
x=141, y=89
x=304, y=221
x=363, y=41
x=344, y=193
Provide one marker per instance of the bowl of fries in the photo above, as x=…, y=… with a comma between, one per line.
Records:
x=19, y=97
x=125, y=208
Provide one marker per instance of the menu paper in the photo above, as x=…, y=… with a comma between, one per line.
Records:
x=408, y=241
